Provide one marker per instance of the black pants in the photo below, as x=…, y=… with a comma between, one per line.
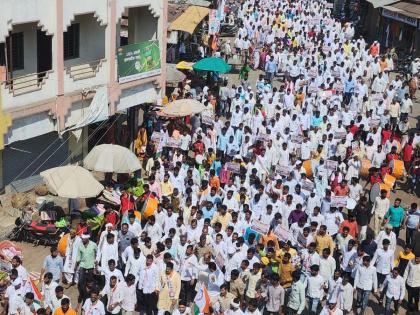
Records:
x=149, y=301
x=381, y=278
x=290, y=311
x=397, y=231
x=409, y=235
x=187, y=291
x=413, y=297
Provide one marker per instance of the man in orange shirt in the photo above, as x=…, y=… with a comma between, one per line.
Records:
x=352, y=225
x=65, y=308
x=342, y=189
x=214, y=181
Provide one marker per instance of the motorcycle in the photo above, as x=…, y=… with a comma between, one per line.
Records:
x=39, y=233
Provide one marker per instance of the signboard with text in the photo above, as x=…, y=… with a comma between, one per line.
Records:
x=138, y=61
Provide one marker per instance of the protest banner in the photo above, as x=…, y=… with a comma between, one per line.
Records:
x=207, y=120
x=173, y=143
x=331, y=165
x=338, y=201
x=233, y=167
x=340, y=135
x=297, y=139
x=282, y=233
x=307, y=185
x=260, y=227
x=283, y=170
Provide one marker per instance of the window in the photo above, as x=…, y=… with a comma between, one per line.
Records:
x=15, y=51
x=71, y=42
x=2, y=55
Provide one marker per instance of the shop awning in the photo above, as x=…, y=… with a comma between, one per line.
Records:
x=405, y=8
x=188, y=21
x=381, y=3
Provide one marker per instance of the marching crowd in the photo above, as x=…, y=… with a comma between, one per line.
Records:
x=261, y=207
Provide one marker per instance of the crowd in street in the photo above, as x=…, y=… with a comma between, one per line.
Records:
x=277, y=198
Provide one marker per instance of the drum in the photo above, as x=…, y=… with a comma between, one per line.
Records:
x=137, y=214
x=375, y=191
x=307, y=165
x=389, y=180
x=397, y=168
x=150, y=207
x=351, y=204
x=364, y=170
x=62, y=244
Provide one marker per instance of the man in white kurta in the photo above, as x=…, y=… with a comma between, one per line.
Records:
x=69, y=269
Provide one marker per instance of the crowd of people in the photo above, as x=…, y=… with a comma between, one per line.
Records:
x=275, y=200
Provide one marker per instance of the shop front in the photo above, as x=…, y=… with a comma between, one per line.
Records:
x=399, y=27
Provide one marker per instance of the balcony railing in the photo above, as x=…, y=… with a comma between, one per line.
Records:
x=27, y=83
x=85, y=70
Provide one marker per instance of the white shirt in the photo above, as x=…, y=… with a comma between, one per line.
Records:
x=148, y=279
x=366, y=278
x=93, y=309
x=327, y=267
x=326, y=311
x=380, y=207
x=315, y=286
x=129, y=297
x=115, y=298
x=188, y=268
x=412, y=274
x=395, y=287
x=384, y=260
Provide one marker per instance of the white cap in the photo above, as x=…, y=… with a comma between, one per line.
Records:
x=17, y=281
x=231, y=250
x=234, y=305
x=85, y=236
x=108, y=225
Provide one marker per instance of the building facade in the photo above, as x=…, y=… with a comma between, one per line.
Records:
x=56, y=57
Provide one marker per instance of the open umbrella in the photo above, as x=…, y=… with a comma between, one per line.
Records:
x=111, y=158
x=173, y=75
x=184, y=65
x=71, y=181
x=214, y=64
x=183, y=107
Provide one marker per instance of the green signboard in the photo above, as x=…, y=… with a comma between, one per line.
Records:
x=137, y=61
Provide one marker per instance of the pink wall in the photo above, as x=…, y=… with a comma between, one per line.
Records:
x=62, y=104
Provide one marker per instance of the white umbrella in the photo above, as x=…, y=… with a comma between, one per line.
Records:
x=110, y=158
x=183, y=107
x=173, y=75
x=71, y=181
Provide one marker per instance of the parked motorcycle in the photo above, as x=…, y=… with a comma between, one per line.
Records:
x=39, y=233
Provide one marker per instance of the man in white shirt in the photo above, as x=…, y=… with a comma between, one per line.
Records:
x=114, y=296
x=412, y=278
x=148, y=284
x=378, y=157
x=384, y=261
x=394, y=290
x=315, y=289
x=379, y=209
x=128, y=292
x=93, y=306
x=189, y=274
x=365, y=279
x=327, y=265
